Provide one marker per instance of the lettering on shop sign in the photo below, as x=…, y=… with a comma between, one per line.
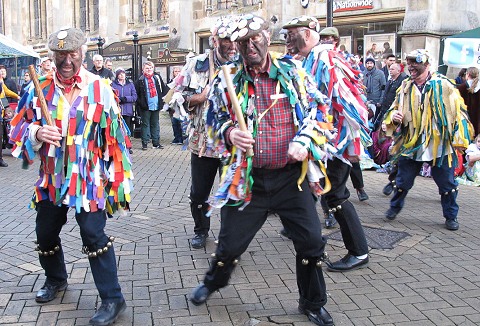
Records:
x=118, y=48
x=346, y=5
x=165, y=57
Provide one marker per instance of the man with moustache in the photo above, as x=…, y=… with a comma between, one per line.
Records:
x=190, y=97
x=340, y=83
x=276, y=97
x=85, y=165
x=428, y=120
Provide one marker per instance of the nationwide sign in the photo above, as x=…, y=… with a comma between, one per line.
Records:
x=346, y=5
x=462, y=52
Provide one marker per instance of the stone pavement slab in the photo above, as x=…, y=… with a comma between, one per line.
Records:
x=431, y=277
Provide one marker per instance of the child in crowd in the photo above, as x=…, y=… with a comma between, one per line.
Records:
x=472, y=155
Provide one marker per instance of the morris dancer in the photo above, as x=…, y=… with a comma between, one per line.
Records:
x=337, y=80
x=280, y=102
x=191, y=90
x=90, y=171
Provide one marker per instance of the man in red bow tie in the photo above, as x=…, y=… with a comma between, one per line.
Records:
x=85, y=165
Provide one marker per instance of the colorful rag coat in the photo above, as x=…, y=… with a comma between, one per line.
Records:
x=309, y=109
x=435, y=121
x=193, y=79
x=92, y=168
x=341, y=84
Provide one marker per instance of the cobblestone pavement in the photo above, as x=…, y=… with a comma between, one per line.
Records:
x=431, y=277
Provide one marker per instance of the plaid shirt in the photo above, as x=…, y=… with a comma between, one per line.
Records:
x=276, y=129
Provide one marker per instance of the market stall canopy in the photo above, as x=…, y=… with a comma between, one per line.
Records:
x=11, y=49
x=463, y=50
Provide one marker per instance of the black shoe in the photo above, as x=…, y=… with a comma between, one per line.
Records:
x=330, y=221
x=144, y=146
x=388, y=189
x=362, y=195
x=199, y=241
x=3, y=164
x=391, y=214
x=452, y=224
x=200, y=294
x=48, y=292
x=130, y=151
x=158, y=146
x=347, y=263
x=320, y=317
x=108, y=313
x=285, y=233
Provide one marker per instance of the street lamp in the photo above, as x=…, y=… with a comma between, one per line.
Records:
x=135, y=56
x=329, y=13
x=100, y=43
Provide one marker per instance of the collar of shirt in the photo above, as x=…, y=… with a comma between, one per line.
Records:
x=86, y=76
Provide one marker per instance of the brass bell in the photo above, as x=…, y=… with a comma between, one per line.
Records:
x=105, y=249
x=51, y=252
x=109, y=244
x=220, y=264
x=57, y=248
x=111, y=238
x=213, y=254
x=235, y=261
x=319, y=263
x=99, y=251
x=304, y=261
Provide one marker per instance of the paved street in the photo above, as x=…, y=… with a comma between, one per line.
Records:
x=430, y=277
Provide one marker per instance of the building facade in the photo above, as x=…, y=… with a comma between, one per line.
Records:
x=164, y=31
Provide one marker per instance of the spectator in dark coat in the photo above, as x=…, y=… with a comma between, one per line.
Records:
x=374, y=81
x=388, y=59
x=99, y=70
x=150, y=92
x=127, y=95
x=470, y=92
x=396, y=78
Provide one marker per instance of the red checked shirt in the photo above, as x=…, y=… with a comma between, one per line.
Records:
x=276, y=129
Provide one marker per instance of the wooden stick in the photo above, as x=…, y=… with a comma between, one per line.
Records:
x=236, y=106
x=41, y=98
x=211, y=65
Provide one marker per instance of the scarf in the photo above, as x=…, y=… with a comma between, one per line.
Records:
x=151, y=85
x=70, y=82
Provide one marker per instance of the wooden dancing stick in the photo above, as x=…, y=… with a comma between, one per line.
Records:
x=236, y=106
x=41, y=98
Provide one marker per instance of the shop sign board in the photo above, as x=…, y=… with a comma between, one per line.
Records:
x=462, y=52
x=347, y=5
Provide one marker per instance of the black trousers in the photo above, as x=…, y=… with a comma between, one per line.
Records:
x=203, y=172
x=274, y=191
x=356, y=176
x=49, y=222
x=347, y=218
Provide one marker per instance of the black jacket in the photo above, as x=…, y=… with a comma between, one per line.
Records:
x=388, y=98
x=103, y=73
x=142, y=89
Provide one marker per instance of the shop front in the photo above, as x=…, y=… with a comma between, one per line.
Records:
x=367, y=32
